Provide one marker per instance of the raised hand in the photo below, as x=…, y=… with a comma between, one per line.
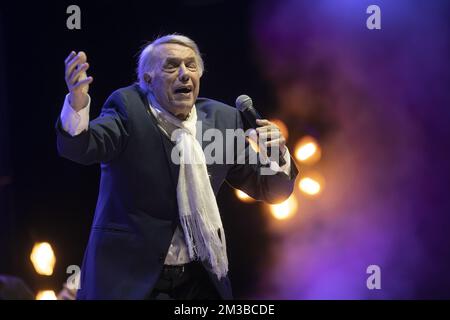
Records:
x=77, y=80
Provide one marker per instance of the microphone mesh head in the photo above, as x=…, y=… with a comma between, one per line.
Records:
x=244, y=102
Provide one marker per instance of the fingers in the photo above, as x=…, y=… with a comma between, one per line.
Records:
x=75, y=72
x=82, y=83
x=267, y=139
x=73, y=62
x=263, y=122
x=78, y=73
x=270, y=135
x=280, y=142
x=69, y=57
x=267, y=130
x=273, y=147
x=265, y=125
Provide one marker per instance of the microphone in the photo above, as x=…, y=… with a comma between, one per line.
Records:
x=245, y=105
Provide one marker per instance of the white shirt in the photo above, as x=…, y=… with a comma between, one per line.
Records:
x=74, y=123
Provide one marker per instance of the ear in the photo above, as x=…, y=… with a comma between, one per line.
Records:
x=147, y=78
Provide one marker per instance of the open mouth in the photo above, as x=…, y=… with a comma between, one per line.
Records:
x=183, y=90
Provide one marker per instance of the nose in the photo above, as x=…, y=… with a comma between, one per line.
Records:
x=183, y=74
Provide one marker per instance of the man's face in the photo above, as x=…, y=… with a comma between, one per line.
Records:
x=175, y=80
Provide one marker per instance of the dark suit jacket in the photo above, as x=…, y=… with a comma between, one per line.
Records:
x=137, y=213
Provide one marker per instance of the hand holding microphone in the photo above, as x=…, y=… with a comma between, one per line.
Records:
x=269, y=135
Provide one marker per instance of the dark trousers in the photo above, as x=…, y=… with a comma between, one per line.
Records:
x=187, y=282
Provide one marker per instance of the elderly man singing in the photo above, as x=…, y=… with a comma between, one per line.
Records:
x=157, y=231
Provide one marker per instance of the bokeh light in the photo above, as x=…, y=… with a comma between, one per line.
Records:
x=241, y=195
x=43, y=258
x=46, y=295
x=308, y=150
x=309, y=186
x=284, y=210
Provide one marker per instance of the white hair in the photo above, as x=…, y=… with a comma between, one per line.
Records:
x=146, y=55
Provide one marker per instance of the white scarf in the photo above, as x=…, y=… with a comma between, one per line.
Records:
x=197, y=205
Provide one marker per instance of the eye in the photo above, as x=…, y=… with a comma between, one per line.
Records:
x=170, y=66
x=192, y=65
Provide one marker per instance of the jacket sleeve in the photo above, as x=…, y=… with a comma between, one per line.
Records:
x=250, y=178
x=104, y=139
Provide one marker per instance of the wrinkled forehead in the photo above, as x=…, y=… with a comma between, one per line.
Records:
x=173, y=50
